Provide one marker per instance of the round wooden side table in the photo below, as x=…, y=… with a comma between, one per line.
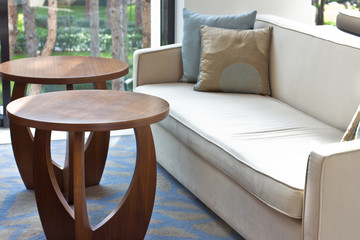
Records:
x=77, y=112
x=60, y=70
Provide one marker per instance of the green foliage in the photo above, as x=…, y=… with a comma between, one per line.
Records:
x=41, y=21
x=71, y=39
x=20, y=47
x=342, y=1
x=77, y=39
x=134, y=39
x=131, y=14
x=73, y=31
x=73, y=35
x=85, y=23
x=21, y=27
x=64, y=20
x=41, y=34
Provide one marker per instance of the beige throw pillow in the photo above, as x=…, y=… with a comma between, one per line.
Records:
x=234, y=60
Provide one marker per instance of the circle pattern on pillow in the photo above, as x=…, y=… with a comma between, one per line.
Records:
x=234, y=60
x=240, y=77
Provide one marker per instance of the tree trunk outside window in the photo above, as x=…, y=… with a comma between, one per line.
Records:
x=94, y=28
x=51, y=36
x=119, y=32
x=31, y=40
x=108, y=13
x=30, y=30
x=138, y=13
x=146, y=23
x=320, y=7
x=87, y=8
x=13, y=22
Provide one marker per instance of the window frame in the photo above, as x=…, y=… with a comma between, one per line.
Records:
x=5, y=56
x=167, y=12
x=167, y=22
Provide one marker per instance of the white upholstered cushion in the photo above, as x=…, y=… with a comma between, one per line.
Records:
x=262, y=143
x=299, y=77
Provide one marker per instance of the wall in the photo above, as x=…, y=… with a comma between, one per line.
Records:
x=155, y=23
x=299, y=10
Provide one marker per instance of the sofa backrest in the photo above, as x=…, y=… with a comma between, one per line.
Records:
x=315, y=69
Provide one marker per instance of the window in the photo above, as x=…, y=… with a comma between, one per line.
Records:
x=76, y=27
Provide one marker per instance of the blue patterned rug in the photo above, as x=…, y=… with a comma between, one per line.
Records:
x=177, y=213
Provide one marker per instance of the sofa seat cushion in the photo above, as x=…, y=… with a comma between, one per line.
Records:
x=260, y=142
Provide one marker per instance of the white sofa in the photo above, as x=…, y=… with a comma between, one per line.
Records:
x=271, y=167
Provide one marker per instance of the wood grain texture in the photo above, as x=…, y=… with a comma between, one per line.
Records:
x=87, y=110
x=130, y=219
x=22, y=142
x=96, y=149
x=23, y=147
x=82, y=224
x=57, y=217
x=63, y=69
x=68, y=170
x=68, y=70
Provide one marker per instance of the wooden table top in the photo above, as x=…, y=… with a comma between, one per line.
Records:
x=63, y=69
x=87, y=110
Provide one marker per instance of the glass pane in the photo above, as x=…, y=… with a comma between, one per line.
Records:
x=106, y=28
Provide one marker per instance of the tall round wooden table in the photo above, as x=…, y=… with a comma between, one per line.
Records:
x=77, y=112
x=60, y=70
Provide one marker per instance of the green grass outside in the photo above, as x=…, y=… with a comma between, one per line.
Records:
x=102, y=54
x=79, y=12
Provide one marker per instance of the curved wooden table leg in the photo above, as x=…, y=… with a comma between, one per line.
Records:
x=56, y=216
x=82, y=225
x=96, y=149
x=23, y=146
x=22, y=142
x=68, y=171
x=131, y=218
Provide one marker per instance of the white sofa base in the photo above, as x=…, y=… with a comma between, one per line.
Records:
x=252, y=218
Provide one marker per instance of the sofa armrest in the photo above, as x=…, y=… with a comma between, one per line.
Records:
x=332, y=193
x=157, y=65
